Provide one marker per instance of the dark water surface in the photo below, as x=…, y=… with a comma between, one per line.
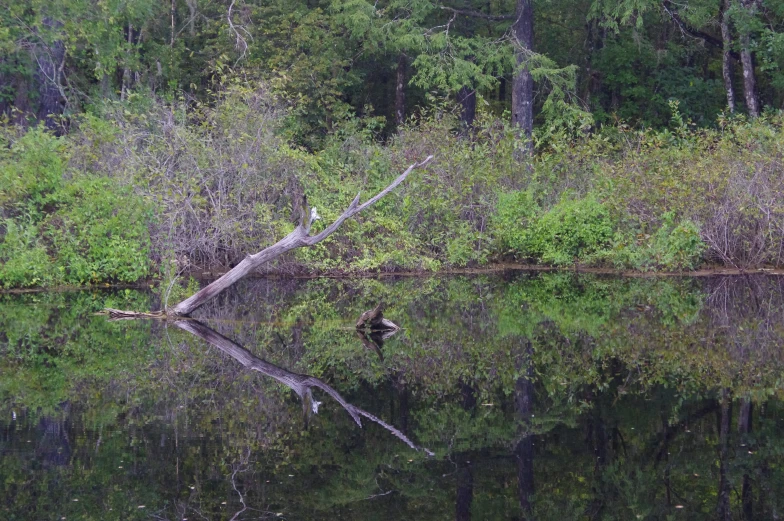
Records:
x=550, y=396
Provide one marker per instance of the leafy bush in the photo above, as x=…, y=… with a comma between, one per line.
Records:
x=32, y=165
x=23, y=259
x=64, y=226
x=514, y=214
x=728, y=180
x=674, y=246
x=221, y=182
x=572, y=230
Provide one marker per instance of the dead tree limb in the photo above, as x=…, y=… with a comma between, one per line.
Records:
x=296, y=239
x=299, y=383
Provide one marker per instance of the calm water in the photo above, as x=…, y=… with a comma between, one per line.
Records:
x=551, y=396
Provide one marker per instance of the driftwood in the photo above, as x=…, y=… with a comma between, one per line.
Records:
x=299, y=383
x=298, y=238
x=119, y=314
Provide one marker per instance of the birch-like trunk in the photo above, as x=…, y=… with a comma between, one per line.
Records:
x=726, y=59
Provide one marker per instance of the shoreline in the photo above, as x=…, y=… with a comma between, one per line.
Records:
x=202, y=275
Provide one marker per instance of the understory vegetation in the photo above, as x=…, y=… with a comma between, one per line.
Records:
x=146, y=188
x=144, y=139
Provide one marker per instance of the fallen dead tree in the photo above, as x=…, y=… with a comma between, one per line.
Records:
x=300, y=237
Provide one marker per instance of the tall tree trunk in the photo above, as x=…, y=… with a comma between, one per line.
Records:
x=594, y=43
x=193, y=11
x=726, y=60
x=467, y=99
x=21, y=99
x=127, y=76
x=51, y=61
x=400, y=90
x=171, y=31
x=747, y=60
x=749, y=80
x=523, y=84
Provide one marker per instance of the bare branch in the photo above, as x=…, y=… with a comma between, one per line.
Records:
x=685, y=28
x=296, y=239
x=240, y=42
x=299, y=383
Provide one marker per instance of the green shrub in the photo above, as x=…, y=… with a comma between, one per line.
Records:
x=677, y=246
x=511, y=223
x=64, y=226
x=572, y=230
x=31, y=171
x=674, y=246
x=23, y=259
x=100, y=233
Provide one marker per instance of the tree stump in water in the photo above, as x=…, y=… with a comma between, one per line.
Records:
x=373, y=329
x=374, y=321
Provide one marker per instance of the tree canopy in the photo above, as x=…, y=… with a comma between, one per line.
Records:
x=333, y=60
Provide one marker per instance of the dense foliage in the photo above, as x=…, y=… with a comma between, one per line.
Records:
x=142, y=138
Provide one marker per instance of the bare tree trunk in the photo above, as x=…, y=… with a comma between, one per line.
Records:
x=127, y=75
x=21, y=99
x=51, y=61
x=726, y=60
x=523, y=84
x=467, y=99
x=749, y=78
x=193, y=11
x=171, y=29
x=400, y=90
x=296, y=239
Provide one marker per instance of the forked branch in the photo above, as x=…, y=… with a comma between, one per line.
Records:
x=296, y=239
x=299, y=383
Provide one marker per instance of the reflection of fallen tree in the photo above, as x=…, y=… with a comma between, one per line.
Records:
x=301, y=384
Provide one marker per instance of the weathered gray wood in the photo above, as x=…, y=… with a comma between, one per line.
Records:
x=726, y=62
x=299, y=383
x=296, y=239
